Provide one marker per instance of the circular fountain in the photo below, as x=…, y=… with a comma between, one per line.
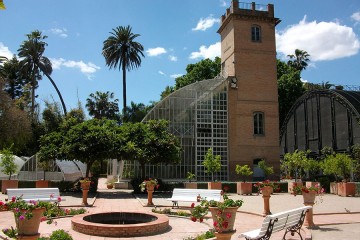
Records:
x=120, y=224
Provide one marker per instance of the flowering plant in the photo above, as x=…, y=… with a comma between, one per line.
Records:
x=85, y=180
x=297, y=190
x=266, y=183
x=24, y=210
x=149, y=182
x=221, y=219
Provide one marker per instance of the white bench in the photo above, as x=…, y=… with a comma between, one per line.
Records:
x=190, y=195
x=35, y=194
x=290, y=220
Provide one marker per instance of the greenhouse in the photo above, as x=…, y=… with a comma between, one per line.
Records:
x=19, y=163
x=197, y=114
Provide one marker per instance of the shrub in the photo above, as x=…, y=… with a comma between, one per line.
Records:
x=58, y=235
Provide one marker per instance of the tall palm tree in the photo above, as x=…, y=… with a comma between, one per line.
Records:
x=299, y=60
x=121, y=49
x=100, y=105
x=34, y=62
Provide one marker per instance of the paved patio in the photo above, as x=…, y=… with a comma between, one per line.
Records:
x=336, y=217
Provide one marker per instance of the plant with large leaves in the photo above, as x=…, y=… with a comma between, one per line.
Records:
x=35, y=63
x=121, y=49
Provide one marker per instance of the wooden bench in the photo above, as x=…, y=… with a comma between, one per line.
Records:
x=35, y=194
x=191, y=195
x=291, y=220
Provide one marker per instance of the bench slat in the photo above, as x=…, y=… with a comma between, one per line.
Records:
x=35, y=194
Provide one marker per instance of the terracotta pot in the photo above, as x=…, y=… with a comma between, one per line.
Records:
x=266, y=191
x=191, y=185
x=309, y=198
x=42, y=184
x=29, y=227
x=214, y=185
x=109, y=186
x=85, y=185
x=244, y=188
x=150, y=189
x=5, y=184
x=346, y=189
x=227, y=211
x=224, y=236
x=333, y=188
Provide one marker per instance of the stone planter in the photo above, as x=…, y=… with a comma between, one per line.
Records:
x=5, y=184
x=150, y=190
x=225, y=214
x=244, y=188
x=85, y=186
x=346, y=189
x=309, y=200
x=191, y=185
x=214, y=185
x=266, y=194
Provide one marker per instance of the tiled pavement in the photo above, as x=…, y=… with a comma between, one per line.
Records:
x=336, y=217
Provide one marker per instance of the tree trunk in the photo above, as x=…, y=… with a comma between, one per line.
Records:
x=124, y=86
x=58, y=92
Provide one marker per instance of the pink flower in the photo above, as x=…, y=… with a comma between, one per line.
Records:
x=13, y=199
x=59, y=199
x=228, y=215
x=22, y=217
x=52, y=195
x=43, y=218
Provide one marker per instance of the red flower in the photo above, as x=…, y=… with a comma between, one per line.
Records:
x=215, y=224
x=192, y=205
x=225, y=224
x=13, y=199
x=228, y=215
x=201, y=219
x=193, y=219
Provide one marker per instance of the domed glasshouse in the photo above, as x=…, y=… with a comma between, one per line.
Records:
x=322, y=118
x=19, y=163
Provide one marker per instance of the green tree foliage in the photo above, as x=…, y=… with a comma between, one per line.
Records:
x=135, y=112
x=290, y=88
x=34, y=63
x=300, y=60
x=121, y=50
x=266, y=169
x=168, y=90
x=7, y=162
x=294, y=163
x=150, y=143
x=205, y=69
x=52, y=117
x=101, y=105
x=243, y=170
x=340, y=165
x=212, y=163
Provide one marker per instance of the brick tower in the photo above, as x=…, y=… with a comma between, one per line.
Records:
x=248, y=55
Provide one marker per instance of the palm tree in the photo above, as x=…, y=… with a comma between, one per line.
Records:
x=299, y=60
x=34, y=63
x=121, y=50
x=100, y=105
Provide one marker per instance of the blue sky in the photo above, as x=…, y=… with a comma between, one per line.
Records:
x=174, y=34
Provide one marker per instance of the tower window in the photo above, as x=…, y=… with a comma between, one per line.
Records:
x=258, y=123
x=255, y=33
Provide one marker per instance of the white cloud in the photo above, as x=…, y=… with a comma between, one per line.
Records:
x=222, y=3
x=161, y=73
x=86, y=68
x=176, y=75
x=206, y=23
x=323, y=40
x=60, y=32
x=356, y=17
x=207, y=52
x=155, y=51
x=5, y=52
x=173, y=58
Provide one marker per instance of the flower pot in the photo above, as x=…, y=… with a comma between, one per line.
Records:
x=85, y=185
x=309, y=198
x=191, y=185
x=30, y=227
x=244, y=188
x=109, y=186
x=346, y=189
x=214, y=185
x=266, y=191
x=150, y=189
x=291, y=186
x=42, y=184
x=334, y=188
x=5, y=184
x=229, y=215
x=224, y=235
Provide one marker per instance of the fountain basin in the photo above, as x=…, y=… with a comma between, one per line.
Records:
x=120, y=224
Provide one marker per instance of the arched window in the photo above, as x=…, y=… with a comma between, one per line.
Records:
x=256, y=33
x=258, y=123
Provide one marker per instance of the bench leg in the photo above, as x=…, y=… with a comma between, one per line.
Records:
x=268, y=233
x=175, y=204
x=297, y=227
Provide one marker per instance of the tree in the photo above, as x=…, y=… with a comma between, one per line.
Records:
x=8, y=162
x=295, y=162
x=168, y=90
x=212, y=163
x=34, y=63
x=290, y=88
x=135, y=112
x=244, y=171
x=300, y=60
x=121, y=49
x=100, y=105
x=266, y=169
x=150, y=143
x=205, y=69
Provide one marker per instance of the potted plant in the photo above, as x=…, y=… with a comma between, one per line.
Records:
x=28, y=215
x=244, y=187
x=309, y=194
x=345, y=166
x=150, y=185
x=311, y=168
x=8, y=167
x=191, y=185
x=85, y=187
x=110, y=184
x=212, y=164
x=329, y=167
x=223, y=214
